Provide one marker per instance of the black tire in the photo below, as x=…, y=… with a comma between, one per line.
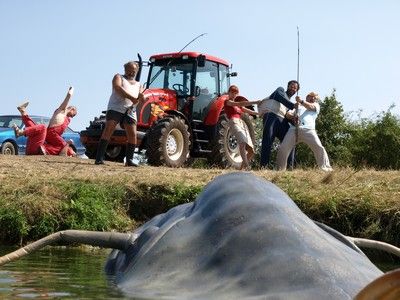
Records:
x=168, y=142
x=8, y=148
x=91, y=154
x=224, y=147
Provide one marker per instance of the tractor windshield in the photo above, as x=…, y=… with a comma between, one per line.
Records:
x=175, y=74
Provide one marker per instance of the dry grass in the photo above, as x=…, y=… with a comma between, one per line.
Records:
x=36, y=172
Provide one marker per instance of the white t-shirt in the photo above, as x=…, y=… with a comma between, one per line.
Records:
x=120, y=104
x=308, y=117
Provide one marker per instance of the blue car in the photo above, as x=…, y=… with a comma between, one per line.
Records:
x=11, y=145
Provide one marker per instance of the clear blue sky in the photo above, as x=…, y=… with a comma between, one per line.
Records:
x=352, y=46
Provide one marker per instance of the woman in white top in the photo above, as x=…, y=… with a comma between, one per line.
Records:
x=126, y=94
x=308, y=112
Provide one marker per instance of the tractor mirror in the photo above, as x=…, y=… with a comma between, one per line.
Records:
x=201, y=60
x=197, y=91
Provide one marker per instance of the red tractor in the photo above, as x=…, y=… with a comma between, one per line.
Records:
x=183, y=114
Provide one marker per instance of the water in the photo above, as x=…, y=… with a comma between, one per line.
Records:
x=66, y=273
x=57, y=273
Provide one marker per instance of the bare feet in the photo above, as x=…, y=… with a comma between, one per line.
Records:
x=18, y=132
x=22, y=107
x=70, y=91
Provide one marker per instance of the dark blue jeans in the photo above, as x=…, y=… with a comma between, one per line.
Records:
x=273, y=127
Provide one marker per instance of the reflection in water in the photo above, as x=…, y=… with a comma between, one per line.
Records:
x=57, y=272
x=66, y=273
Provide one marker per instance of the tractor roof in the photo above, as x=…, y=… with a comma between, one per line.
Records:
x=189, y=54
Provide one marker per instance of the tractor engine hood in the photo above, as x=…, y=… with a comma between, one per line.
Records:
x=157, y=101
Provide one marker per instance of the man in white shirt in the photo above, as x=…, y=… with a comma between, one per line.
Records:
x=308, y=112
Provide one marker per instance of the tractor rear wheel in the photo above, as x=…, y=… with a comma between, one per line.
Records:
x=225, y=148
x=168, y=142
x=115, y=153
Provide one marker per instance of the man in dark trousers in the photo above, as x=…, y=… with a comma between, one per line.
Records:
x=275, y=123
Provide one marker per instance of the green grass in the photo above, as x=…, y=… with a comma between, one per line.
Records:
x=51, y=194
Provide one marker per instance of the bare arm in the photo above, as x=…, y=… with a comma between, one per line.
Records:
x=241, y=103
x=64, y=104
x=117, y=85
x=250, y=112
x=307, y=105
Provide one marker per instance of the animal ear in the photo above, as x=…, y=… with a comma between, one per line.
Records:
x=386, y=287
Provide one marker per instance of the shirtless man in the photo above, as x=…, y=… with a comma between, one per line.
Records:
x=55, y=144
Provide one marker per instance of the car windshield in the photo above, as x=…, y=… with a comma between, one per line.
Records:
x=8, y=121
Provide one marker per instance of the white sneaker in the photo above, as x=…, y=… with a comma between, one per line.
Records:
x=327, y=169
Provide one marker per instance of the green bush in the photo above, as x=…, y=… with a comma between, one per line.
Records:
x=13, y=224
x=93, y=207
x=376, y=143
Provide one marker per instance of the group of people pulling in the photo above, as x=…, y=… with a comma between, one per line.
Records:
x=291, y=123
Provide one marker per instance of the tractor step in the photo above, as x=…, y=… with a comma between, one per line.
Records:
x=202, y=141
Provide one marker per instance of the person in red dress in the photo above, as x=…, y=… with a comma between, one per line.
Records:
x=55, y=144
x=35, y=133
x=234, y=106
x=42, y=140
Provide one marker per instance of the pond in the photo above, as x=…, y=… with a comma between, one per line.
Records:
x=57, y=273
x=66, y=273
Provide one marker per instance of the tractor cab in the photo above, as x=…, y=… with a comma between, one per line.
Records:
x=187, y=82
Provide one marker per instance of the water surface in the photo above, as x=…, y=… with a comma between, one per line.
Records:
x=67, y=273
x=57, y=273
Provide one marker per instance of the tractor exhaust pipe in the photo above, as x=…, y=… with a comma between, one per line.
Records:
x=112, y=240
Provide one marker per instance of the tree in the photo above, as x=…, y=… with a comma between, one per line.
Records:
x=377, y=143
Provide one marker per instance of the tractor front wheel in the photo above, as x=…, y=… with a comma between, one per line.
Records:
x=168, y=142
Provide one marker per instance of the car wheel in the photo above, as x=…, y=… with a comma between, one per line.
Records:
x=8, y=148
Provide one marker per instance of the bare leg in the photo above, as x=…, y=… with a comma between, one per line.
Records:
x=109, y=129
x=250, y=153
x=243, y=154
x=131, y=133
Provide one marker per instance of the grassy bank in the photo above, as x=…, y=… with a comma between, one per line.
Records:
x=41, y=195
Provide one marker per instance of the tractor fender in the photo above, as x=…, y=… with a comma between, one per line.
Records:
x=178, y=114
x=216, y=107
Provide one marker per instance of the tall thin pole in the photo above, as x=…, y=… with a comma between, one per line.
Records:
x=298, y=56
x=297, y=109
